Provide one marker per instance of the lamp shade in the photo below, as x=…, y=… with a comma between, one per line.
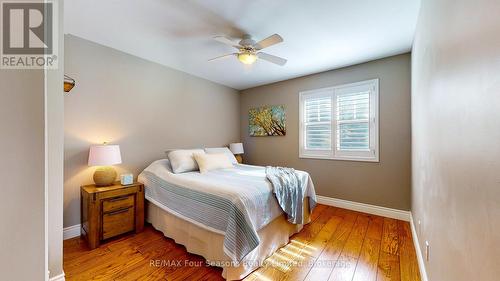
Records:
x=104, y=155
x=236, y=148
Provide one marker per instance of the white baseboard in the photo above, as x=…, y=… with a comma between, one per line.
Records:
x=71, y=231
x=420, y=257
x=59, y=277
x=365, y=208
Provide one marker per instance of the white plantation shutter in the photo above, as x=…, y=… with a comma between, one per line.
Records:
x=353, y=113
x=318, y=122
x=340, y=122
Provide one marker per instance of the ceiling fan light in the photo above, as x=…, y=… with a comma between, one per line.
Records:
x=247, y=58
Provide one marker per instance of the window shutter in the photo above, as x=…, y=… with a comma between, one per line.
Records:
x=318, y=118
x=340, y=122
x=353, y=128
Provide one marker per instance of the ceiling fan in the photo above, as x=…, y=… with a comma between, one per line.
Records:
x=249, y=50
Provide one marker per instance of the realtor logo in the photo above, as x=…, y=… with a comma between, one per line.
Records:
x=28, y=39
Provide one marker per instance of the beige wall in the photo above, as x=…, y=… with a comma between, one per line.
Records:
x=22, y=210
x=31, y=168
x=142, y=106
x=456, y=136
x=55, y=155
x=386, y=183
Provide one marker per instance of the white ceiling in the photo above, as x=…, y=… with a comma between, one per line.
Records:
x=319, y=35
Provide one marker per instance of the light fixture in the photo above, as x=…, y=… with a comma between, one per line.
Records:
x=247, y=57
x=69, y=83
x=237, y=150
x=103, y=156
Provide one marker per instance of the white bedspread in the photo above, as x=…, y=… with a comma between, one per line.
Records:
x=244, y=186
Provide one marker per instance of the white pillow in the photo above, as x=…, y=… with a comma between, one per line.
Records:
x=224, y=150
x=208, y=162
x=182, y=160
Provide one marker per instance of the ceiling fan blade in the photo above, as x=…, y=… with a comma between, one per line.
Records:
x=271, y=58
x=223, y=56
x=227, y=41
x=269, y=41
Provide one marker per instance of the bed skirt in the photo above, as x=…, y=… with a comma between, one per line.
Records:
x=208, y=244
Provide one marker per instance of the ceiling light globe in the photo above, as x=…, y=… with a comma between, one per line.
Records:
x=247, y=58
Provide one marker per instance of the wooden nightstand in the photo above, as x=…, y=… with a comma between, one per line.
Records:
x=110, y=211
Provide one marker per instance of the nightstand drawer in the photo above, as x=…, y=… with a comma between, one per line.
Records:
x=117, y=203
x=117, y=222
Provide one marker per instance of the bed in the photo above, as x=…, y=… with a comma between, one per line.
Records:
x=228, y=216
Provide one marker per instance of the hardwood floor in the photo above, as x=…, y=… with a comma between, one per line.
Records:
x=338, y=244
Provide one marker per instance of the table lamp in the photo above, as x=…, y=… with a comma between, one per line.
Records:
x=237, y=150
x=103, y=156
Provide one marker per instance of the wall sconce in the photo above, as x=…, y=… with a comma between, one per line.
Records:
x=69, y=83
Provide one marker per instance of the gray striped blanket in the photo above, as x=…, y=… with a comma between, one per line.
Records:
x=287, y=187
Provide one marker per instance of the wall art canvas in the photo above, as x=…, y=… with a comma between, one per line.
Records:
x=267, y=120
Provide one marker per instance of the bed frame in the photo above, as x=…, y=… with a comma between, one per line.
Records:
x=209, y=245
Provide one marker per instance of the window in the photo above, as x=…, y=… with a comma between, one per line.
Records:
x=340, y=122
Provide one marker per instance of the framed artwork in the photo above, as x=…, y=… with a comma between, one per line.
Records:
x=267, y=120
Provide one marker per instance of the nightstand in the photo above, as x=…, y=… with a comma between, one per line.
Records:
x=110, y=211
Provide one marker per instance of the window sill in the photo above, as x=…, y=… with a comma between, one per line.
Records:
x=353, y=159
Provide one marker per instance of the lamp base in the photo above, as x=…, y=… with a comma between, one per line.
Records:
x=238, y=158
x=104, y=176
